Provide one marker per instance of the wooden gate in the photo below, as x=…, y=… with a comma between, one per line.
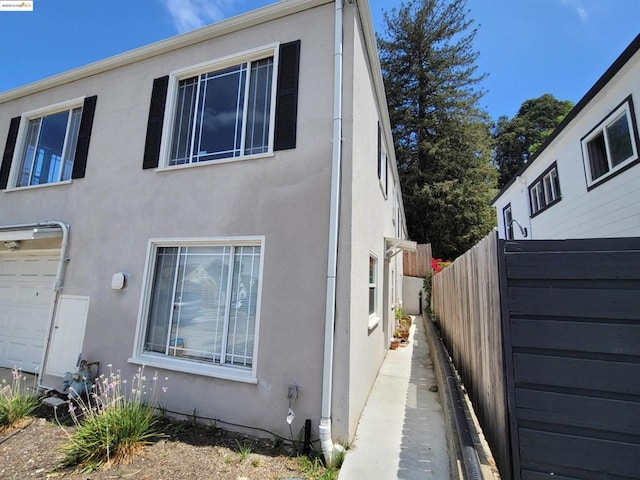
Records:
x=571, y=325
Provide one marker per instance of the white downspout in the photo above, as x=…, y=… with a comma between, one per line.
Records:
x=326, y=442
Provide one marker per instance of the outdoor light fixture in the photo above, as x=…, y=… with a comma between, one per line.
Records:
x=523, y=230
x=12, y=245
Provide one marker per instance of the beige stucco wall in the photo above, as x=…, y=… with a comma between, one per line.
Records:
x=118, y=207
x=370, y=213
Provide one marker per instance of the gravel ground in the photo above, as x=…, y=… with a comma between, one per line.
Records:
x=33, y=451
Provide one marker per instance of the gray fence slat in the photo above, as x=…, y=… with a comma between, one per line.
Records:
x=574, y=265
x=578, y=373
x=621, y=339
x=605, y=414
x=571, y=452
x=574, y=302
x=573, y=245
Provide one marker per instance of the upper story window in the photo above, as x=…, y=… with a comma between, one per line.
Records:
x=49, y=149
x=612, y=146
x=383, y=161
x=231, y=108
x=545, y=191
x=225, y=113
x=507, y=216
x=48, y=145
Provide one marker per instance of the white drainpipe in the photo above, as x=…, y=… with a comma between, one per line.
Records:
x=57, y=286
x=326, y=441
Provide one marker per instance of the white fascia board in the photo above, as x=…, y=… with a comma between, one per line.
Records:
x=234, y=24
x=30, y=234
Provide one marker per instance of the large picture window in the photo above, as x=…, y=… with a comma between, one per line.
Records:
x=202, y=304
x=612, y=146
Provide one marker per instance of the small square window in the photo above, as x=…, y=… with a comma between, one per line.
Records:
x=611, y=146
x=47, y=155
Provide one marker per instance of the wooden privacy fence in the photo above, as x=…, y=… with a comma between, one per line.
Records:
x=466, y=302
x=546, y=337
x=418, y=263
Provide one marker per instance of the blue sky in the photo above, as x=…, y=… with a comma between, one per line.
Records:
x=527, y=47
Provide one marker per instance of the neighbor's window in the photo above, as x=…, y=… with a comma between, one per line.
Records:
x=611, y=146
x=373, y=277
x=545, y=191
x=223, y=113
x=508, y=222
x=383, y=162
x=203, y=303
x=49, y=148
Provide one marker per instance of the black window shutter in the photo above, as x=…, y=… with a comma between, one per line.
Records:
x=84, y=135
x=287, y=96
x=154, y=124
x=9, y=147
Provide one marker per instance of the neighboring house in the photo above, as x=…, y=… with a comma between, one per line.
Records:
x=222, y=207
x=584, y=181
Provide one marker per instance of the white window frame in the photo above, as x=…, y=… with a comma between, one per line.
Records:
x=18, y=153
x=141, y=357
x=374, y=316
x=270, y=50
x=624, y=108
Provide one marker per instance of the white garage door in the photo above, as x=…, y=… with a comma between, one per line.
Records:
x=26, y=293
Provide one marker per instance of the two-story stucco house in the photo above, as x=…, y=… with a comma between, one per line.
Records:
x=584, y=181
x=222, y=207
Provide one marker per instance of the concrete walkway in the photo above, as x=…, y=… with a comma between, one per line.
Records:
x=401, y=434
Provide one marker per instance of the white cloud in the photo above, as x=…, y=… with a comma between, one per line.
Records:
x=191, y=14
x=579, y=9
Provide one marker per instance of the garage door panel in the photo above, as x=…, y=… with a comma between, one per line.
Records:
x=26, y=293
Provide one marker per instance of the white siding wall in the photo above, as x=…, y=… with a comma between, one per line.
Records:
x=611, y=209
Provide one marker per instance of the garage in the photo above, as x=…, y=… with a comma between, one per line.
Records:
x=26, y=295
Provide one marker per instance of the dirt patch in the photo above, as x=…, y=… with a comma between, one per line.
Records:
x=189, y=451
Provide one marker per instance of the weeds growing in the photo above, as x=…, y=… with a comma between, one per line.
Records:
x=112, y=422
x=17, y=400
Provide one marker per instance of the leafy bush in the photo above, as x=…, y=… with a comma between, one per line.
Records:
x=112, y=424
x=17, y=401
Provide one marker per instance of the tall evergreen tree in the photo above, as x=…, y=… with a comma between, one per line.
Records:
x=442, y=137
x=519, y=138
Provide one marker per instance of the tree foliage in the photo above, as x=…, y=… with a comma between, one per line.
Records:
x=442, y=138
x=517, y=139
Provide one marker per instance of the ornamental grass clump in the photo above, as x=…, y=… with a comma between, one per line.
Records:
x=112, y=422
x=17, y=400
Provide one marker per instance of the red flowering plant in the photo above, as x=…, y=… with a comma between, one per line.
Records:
x=437, y=265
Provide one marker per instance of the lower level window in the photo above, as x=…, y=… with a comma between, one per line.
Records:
x=202, y=304
x=373, y=280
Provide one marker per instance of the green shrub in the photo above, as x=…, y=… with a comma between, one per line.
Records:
x=112, y=424
x=17, y=401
